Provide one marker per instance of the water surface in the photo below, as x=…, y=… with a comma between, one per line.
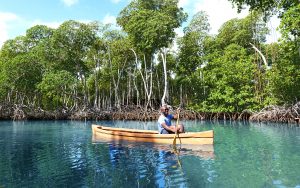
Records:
x=62, y=154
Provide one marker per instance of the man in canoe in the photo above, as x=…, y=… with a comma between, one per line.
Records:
x=164, y=122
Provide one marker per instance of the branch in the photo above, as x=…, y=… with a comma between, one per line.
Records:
x=262, y=56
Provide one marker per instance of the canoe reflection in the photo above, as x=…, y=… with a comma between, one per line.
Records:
x=202, y=151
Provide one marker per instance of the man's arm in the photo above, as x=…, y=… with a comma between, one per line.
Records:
x=175, y=116
x=171, y=128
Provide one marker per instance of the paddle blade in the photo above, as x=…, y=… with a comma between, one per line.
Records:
x=174, y=141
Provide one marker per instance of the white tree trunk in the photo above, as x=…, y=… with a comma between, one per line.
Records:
x=96, y=82
x=165, y=96
x=262, y=56
x=147, y=88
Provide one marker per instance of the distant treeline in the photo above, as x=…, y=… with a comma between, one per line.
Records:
x=98, y=69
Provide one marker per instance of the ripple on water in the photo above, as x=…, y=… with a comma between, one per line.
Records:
x=146, y=164
x=41, y=154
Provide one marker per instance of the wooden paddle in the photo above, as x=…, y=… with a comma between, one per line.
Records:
x=176, y=126
x=174, y=140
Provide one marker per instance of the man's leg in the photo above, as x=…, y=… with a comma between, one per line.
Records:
x=164, y=131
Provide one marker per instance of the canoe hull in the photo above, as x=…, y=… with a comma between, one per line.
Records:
x=197, y=138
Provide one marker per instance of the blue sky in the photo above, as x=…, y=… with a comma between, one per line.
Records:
x=16, y=16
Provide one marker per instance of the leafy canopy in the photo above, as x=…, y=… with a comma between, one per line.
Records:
x=150, y=24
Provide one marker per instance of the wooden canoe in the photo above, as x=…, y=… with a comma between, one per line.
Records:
x=191, y=138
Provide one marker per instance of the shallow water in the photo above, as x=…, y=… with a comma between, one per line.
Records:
x=62, y=154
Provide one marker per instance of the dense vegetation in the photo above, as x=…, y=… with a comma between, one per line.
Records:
x=81, y=66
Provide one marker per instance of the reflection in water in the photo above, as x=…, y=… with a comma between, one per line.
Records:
x=168, y=165
x=157, y=165
x=61, y=154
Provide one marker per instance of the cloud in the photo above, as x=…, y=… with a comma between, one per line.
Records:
x=274, y=34
x=53, y=25
x=12, y=25
x=7, y=16
x=109, y=19
x=5, y=19
x=179, y=32
x=219, y=12
x=183, y=3
x=115, y=1
x=70, y=2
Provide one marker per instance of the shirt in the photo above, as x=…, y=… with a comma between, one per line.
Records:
x=164, y=119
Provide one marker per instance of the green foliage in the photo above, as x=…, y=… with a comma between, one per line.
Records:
x=229, y=78
x=23, y=73
x=218, y=72
x=13, y=47
x=55, y=86
x=198, y=24
x=4, y=87
x=290, y=23
x=285, y=75
x=82, y=64
x=268, y=7
x=69, y=46
x=37, y=35
x=190, y=54
x=243, y=31
x=150, y=24
x=191, y=44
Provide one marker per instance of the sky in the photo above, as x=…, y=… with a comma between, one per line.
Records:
x=16, y=16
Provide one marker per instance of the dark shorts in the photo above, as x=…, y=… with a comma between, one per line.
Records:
x=164, y=131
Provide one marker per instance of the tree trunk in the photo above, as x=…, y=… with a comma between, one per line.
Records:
x=262, y=56
x=165, y=97
x=147, y=88
x=96, y=83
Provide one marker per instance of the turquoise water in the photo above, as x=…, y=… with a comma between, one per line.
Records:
x=62, y=154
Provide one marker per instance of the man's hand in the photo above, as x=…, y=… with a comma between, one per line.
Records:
x=177, y=113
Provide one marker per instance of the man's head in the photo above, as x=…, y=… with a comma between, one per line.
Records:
x=164, y=109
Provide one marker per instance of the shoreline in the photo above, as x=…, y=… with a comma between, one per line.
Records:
x=270, y=114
